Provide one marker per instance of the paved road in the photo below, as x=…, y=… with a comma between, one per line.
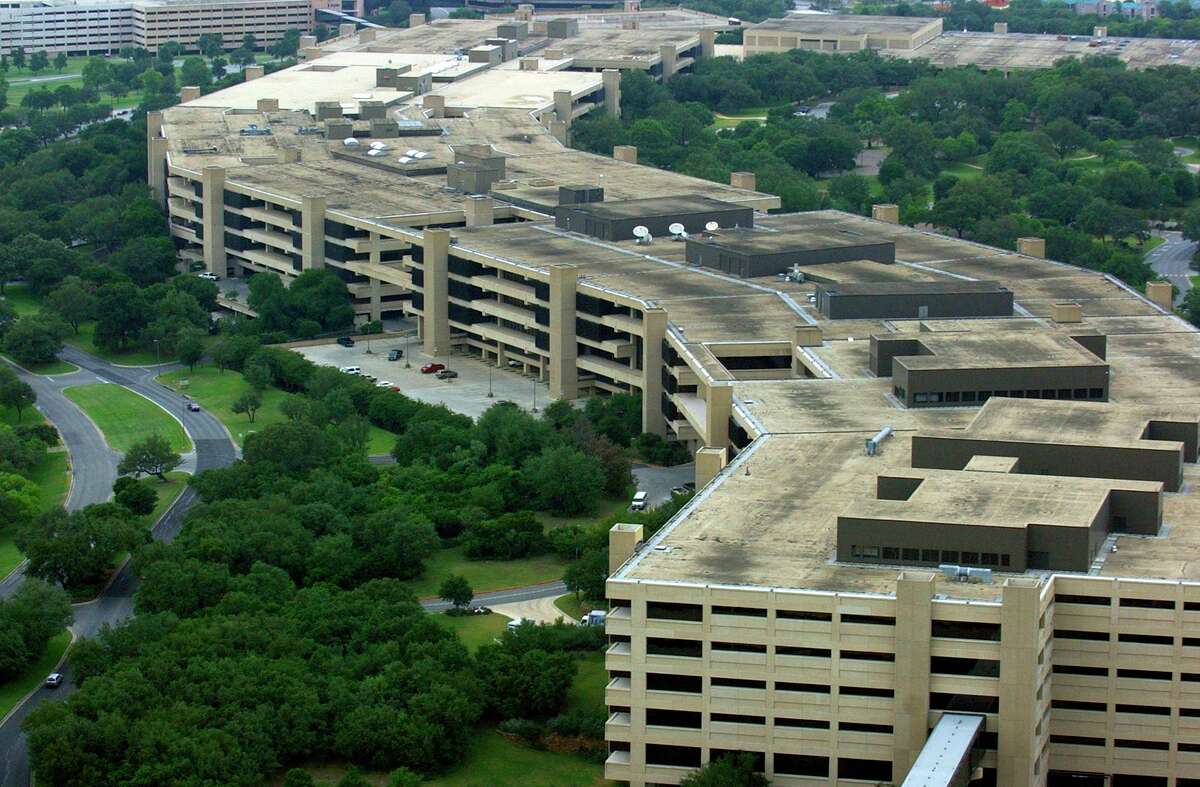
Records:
x=1172, y=260
x=657, y=482
x=527, y=593
x=94, y=469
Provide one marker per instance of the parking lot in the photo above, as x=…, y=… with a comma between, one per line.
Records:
x=466, y=394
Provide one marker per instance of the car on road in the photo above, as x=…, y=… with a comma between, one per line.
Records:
x=345, y=341
x=447, y=374
x=801, y=111
x=681, y=490
x=208, y=276
x=395, y=355
x=350, y=370
x=54, y=680
x=193, y=407
x=432, y=368
x=384, y=384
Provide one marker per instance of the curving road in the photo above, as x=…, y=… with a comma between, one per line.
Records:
x=1172, y=260
x=93, y=466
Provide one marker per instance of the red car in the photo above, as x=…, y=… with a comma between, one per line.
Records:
x=430, y=368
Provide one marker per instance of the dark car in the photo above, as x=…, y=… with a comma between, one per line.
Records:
x=345, y=341
x=447, y=374
x=193, y=407
x=395, y=355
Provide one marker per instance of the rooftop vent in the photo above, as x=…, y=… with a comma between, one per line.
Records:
x=982, y=576
x=874, y=442
x=253, y=130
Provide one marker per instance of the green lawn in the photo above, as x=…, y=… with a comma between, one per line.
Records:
x=52, y=476
x=473, y=630
x=137, y=356
x=10, y=556
x=495, y=761
x=606, y=509
x=216, y=391
x=21, y=299
x=54, y=367
x=485, y=575
x=571, y=606
x=14, y=690
x=964, y=170
x=8, y=416
x=587, y=690
x=167, y=492
x=124, y=417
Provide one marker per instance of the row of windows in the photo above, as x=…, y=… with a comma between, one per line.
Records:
x=1123, y=743
x=694, y=613
x=1126, y=637
x=693, y=720
x=1140, y=603
x=914, y=555
x=1136, y=674
x=979, y=397
x=1100, y=707
x=784, y=764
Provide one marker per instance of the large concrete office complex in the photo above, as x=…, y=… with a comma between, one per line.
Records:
x=88, y=27
x=923, y=38
x=806, y=605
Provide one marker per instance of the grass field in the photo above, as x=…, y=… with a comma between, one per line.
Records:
x=473, y=630
x=572, y=606
x=216, y=391
x=52, y=476
x=167, y=492
x=14, y=690
x=485, y=575
x=606, y=509
x=54, y=367
x=124, y=417
x=137, y=356
x=587, y=690
x=964, y=170
x=495, y=761
x=21, y=299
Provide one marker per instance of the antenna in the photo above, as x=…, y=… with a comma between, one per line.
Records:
x=712, y=226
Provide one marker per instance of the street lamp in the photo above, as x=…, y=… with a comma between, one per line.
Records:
x=157, y=354
x=535, y=382
x=490, y=394
x=407, y=350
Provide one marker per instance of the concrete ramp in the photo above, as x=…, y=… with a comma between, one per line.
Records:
x=948, y=756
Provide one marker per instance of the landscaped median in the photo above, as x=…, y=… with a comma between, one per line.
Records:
x=125, y=418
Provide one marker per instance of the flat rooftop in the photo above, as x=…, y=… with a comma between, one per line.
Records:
x=754, y=242
x=657, y=207
x=909, y=287
x=845, y=24
x=979, y=350
x=1030, y=50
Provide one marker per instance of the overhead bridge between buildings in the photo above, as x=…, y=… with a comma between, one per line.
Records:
x=949, y=756
x=341, y=16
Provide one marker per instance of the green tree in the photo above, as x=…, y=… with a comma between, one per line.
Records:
x=189, y=346
x=96, y=72
x=727, y=771
x=121, y=315
x=73, y=301
x=298, y=777
x=28, y=619
x=456, y=590
x=257, y=371
x=151, y=456
x=19, y=500
x=79, y=548
x=34, y=339
x=564, y=480
x=970, y=201
x=210, y=44
x=1191, y=224
x=850, y=193
x=1190, y=306
x=248, y=403
x=195, y=71
x=39, y=62
x=139, y=498
x=524, y=684
x=403, y=777
x=60, y=62
x=18, y=57
x=15, y=392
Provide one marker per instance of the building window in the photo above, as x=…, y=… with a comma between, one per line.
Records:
x=891, y=553
x=1093, y=636
x=687, y=684
x=1074, y=669
x=661, y=717
x=784, y=650
x=1067, y=598
x=960, y=629
x=1094, y=707
x=735, y=718
x=661, y=610
x=656, y=646
x=1126, y=743
x=801, y=764
x=738, y=683
x=678, y=756
x=1076, y=740
x=814, y=688
x=865, y=691
x=963, y=703
x=800, y=614
x=1149, y=710
x=1146, y=639
x=854, y=726
x=749, y=612
x=865, y=770
x=1148, y=603
x=871, y=620
x=739, y=647
x=814, y=724
x=864, y=655
x=1143, y=674
x=980, y=668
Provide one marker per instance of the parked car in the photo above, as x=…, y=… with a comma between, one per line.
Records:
x=208, y=276
x=351, y=370
x=345, y=341
x=680, y=490
x=384, y=384
x=514, y=364
x=193, y=407
x=639, y=502
x=431, y=368
x=370, y=377
x=395, y=355
x=447, y=374
x=396, y=388
x=54, y=680
x=594, y=618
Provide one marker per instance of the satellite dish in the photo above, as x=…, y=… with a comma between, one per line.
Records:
x=712, y=226
x=640, y=231
x=675, y=229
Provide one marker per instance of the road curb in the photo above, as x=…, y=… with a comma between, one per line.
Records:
x=21, y=702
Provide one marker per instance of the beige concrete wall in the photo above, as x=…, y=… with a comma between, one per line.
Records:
x=312, y=233
x=436, y=321
x=564, y=375
x=213, y=200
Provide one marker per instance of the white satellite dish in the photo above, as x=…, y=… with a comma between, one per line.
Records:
x=640, y=231
x=675, y=228
x=712, y=226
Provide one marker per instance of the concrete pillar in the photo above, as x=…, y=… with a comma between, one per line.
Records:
x=436, y=104
x=366, y=35
x=1066, y=312
x=1160, y=293
x=563, y=102
x=886, y=211
x=709, y=462
x=560, y=131
x=307, y=41
x=717, y=411
x=436, y=260
x=914, y=615
x=1022, y=700
x=530, y=63
x=268, y=105
x=346, y=29
x=708, y=43
x=1032, y=247
x=564, y=377
x=480, y=210
x=612, y=91
x=803, y=336
x=626, y=153
x=622, y=543
x=742, y=180
x=312, y=232
x=416, y=20
x=1000, y=27
x=188, y=93
x=376, y=299
x=666, y=53
x=338, y=129
x=310, y=53
x=156, y=157
x=654, y=332
x=253, y=72
x=213, y=202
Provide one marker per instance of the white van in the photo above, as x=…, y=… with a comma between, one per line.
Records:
x=515, y=624
x=639, y=502
x=351, y=370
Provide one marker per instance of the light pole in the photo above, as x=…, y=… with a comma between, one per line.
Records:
x=157, y=354
x=407, y=350
x=535, y=382
x=490, y=394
